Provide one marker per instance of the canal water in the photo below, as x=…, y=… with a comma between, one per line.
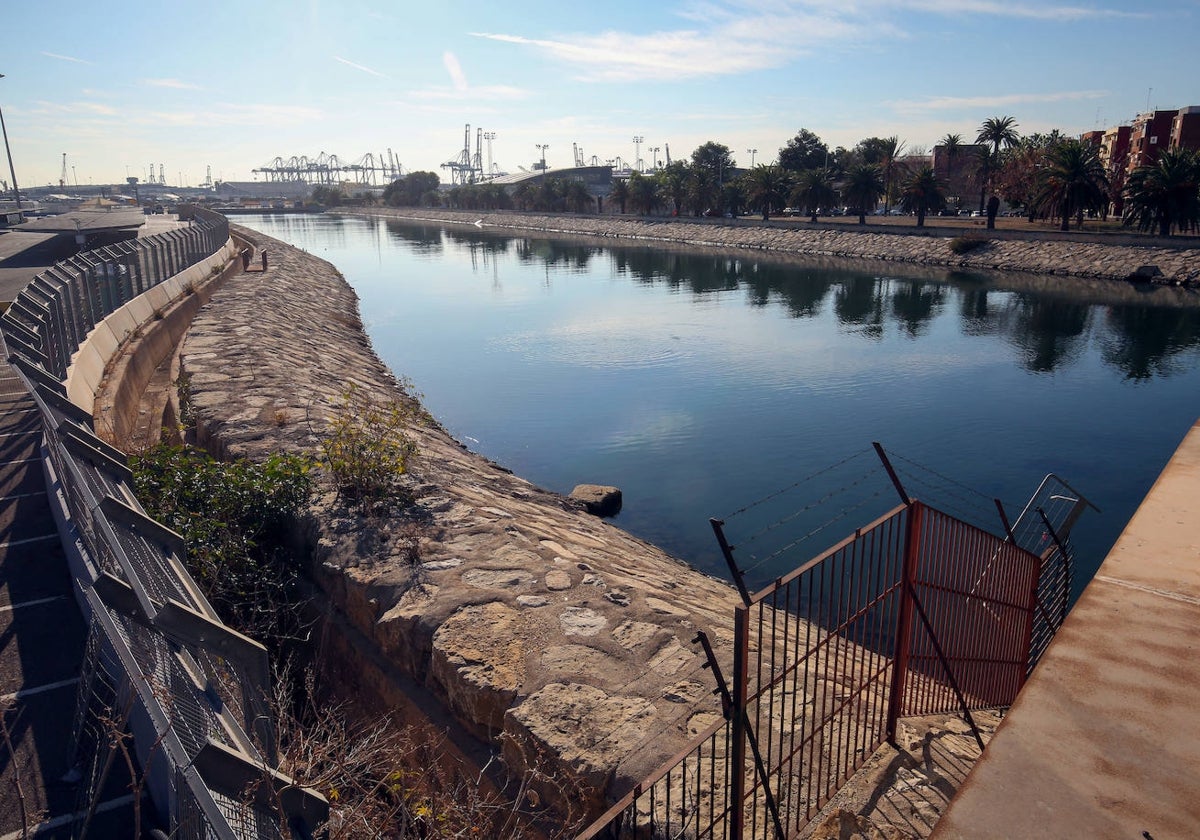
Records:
x=749, y=388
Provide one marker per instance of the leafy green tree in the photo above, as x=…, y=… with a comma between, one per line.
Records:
x=327, y=195
x=673, y=183
x=803, y=152
x=413, y=190
x=767, y=188
x=732, y=198
x=814, y=191
x=523, y=196
x=703, y=191
x=715, y=160
x=620, y=193
x=862, y=189
x=922, y=192
x=1166, y=194
x=996, y=132
x=1072, y=181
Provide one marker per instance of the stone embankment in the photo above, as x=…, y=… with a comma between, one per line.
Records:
x=1075, y=255
x=555, y=637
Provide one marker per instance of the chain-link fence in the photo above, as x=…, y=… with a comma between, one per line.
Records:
x=165, y=688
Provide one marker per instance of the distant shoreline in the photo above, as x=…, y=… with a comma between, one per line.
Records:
x=1090, y=256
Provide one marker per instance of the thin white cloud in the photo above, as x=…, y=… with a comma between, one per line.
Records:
x=740, y=36
x=361, y=67
x=70, y=58
x=174, y=84
x=231, y=114
x=1047, y=12
x=457, y=77
x=964, y=103
x=72, y=108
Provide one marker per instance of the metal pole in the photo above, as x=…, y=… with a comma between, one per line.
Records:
x=8, y=151
x=903, y=640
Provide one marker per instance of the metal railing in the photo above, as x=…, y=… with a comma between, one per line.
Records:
x=159, y=664
x=918, y=613
x=50, y=318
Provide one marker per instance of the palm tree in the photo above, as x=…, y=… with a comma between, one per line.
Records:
x=994, y=132
x=923, y=192
x=1165, y=194
x=767, y=188
x=953, y=144
x=1072, y=181
x=862, y=188
x=673, y=182
x=620, y=193
x=891, y=149
x=814, y=191
x=643, y=193
x=578, y=198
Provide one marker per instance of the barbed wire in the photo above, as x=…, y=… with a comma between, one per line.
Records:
x=810, y=506
x=797, y=483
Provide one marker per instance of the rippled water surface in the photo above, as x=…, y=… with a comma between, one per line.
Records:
x=701, y=383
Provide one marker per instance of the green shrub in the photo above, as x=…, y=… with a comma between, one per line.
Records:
x=367, y=449
x=966, y=244
x=232, y=514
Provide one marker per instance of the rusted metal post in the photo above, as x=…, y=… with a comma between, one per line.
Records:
x=887, y=465
x=737, y=770
x=903, y=643
x=739, y=579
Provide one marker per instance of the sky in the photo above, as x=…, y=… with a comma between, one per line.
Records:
x=120, y=86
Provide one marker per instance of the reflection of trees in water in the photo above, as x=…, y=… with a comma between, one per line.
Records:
x=423, y=239
x=1048, y=331
x=858, y=302
x=1145, y=342
x=555, y=254
x=479, y=243
x=914, y=303
x=802, y=291
x=699, y=273
x=979, y=310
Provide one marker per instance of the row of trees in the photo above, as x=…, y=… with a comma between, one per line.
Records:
x=1047, y=176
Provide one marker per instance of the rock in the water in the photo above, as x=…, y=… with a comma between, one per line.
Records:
x=1145, y=274
x=599, y=499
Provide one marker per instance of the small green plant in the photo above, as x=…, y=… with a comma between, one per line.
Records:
x=367, y=449
x=187, y=414
x=966, y=244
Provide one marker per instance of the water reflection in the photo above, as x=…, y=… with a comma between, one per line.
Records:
x=1146, y=342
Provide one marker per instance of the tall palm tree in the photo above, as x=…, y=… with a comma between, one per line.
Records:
x=767, y=188
x=643, y=193
x=862, y=188
x=923, y=192
x=891, y=149
x=1165, y=194
x=1072, y=181
x=814, y=191
x=953, y=144
x=673, y=183
x=995, y=132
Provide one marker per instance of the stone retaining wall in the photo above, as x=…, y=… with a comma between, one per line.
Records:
x=555, y=637
x=1060, y=254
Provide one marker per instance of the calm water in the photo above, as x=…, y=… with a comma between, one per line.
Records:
x=701, y=383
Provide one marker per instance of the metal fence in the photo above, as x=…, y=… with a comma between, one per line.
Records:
x=53, y=314
x=159, y=665
x=918, y=613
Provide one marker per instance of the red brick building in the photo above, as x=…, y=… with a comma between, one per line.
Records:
x=1185, y=128
x=1149, y=133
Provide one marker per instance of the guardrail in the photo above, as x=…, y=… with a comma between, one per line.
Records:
x=159, y=662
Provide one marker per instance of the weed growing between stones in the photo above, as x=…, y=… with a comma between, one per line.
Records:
x=366, y=450
x=232, y=515
x=187, y=414
x=387, y=779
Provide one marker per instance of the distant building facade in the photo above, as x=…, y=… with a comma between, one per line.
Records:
x=959, y=171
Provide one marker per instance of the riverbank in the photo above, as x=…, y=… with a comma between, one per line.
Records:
x=1081, y=256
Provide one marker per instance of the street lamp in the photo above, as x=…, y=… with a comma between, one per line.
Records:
x=752, y=153
x=638, y=140
x=8, y=151
x=489, y=136
x=542, y=147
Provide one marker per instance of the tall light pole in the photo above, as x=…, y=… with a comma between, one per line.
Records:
x=542, y=147
x=489, y=136
x=654, y=157
x=752, y=153
x=638, y=140
x=8, y=151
